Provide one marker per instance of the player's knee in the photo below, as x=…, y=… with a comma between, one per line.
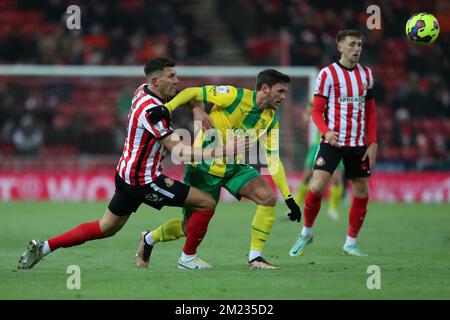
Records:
x=110, y=228
x=319, y=182
x=208, y=204
x=361, y=193
x=360, y=189
x=271, y=200
x=336, y=181
x=110, y=231
x=184, y=226
x=267, y=198
x=317, y=189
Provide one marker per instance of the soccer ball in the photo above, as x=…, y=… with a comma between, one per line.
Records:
x=422, y=28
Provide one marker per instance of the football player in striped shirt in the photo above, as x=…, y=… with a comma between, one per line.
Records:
x=337, y=187
x=235, y=110
x=344, y=112
x=139, y=178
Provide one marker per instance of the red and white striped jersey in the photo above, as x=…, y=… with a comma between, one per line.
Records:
x=346, y=91
x=142, y=156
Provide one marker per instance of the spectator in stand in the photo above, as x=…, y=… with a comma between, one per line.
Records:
x=28, y=137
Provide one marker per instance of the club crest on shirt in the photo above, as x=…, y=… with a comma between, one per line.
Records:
x=320, y=162
x=263, y=124
x=169, y=182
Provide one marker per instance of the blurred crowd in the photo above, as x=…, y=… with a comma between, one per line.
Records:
x=411, y=90
x=113, y=32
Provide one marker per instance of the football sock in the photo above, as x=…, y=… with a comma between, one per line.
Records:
x=302, y=190
x=358, y=211
x=335, y=197
x=350, y=241
x=306, y=232
x=253, y=254
x=168, y=231
x=261, y=227
x=82, y=233
x=312, y=208
x=148, y=239
x=196, y=230
x=46, y=249
x=187, y=257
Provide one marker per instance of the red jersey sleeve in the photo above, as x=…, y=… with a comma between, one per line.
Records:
x=157, y=121
x=317, y=112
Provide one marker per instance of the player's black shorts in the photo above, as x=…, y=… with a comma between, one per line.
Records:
x=328, y=157
x=163, y=191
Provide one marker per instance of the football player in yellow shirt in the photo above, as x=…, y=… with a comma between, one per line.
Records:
x=235, y=111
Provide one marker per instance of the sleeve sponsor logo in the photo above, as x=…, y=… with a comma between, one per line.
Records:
x=223, y=89
x=213, y=90
x=159, y=126
x=161, y=129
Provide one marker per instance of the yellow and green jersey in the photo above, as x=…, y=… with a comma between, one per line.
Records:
x=236, y=109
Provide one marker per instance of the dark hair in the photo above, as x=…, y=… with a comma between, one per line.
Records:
x=270, y=77
x=348, y=33
x=157, y=64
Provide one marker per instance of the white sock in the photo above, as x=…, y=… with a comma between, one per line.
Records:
x=253, y=254
x=350, y=241
x=45, y=249
x=149, y=240
x=187, y=257
x=306, y=232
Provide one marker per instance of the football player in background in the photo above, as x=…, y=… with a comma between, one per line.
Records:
x=344, y=112
x=337, y=188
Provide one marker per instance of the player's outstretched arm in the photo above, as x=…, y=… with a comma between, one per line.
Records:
x=221, y=96
x=184, y=97
x=187, y=153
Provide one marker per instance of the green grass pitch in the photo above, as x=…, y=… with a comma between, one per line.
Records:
x=409, y=242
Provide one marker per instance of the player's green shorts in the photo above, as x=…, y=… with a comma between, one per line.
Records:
x=233, y=181
x=309, y=161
